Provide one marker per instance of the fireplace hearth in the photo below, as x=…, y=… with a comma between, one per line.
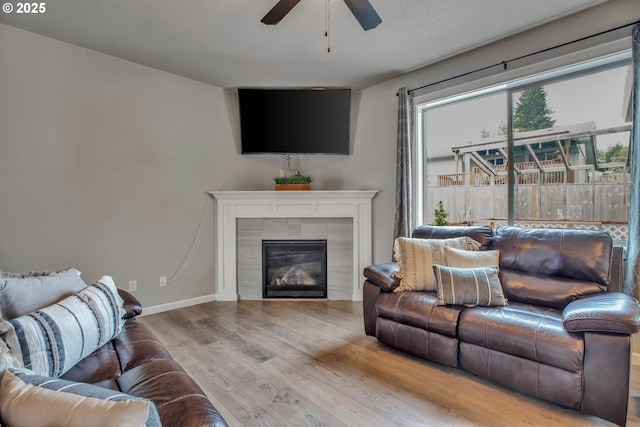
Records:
x=294, y=268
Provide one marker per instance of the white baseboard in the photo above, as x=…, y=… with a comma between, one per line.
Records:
x=635, y=359
x=220, y=297
x=177, y=304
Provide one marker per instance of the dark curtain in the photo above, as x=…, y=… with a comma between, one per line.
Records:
x=632, y=269
x=404, y=186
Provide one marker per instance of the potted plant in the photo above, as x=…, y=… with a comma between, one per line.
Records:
x=440, y=215
x=293, y=182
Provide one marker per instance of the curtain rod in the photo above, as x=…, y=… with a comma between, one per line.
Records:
x=506, y=63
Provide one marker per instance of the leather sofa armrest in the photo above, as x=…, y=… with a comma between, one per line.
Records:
x=132, y=306
x=611, y=312
x=383, y=275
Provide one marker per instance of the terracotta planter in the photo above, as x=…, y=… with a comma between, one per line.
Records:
x=293, y=187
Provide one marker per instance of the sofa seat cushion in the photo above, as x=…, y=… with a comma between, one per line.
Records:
x=152, y=381
x=527, y=331
x=137, y=345
x=419, y=309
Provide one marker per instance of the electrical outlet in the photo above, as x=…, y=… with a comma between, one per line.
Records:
x=163, y=280
x=133, y=285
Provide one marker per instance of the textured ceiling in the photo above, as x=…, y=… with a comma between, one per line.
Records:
x=223, y=42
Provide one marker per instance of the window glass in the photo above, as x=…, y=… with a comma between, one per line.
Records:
x=452, y=176
x=571, y=138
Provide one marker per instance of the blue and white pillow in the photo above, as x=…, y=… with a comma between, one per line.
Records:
x=51, y=340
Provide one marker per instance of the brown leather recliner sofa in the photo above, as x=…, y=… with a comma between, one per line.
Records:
x=136, y=363
x=565, y=335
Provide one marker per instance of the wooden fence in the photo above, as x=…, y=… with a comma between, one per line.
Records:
x=592, y=204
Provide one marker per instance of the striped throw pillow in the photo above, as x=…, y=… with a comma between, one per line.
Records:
x=50, y=341
x=468, y=286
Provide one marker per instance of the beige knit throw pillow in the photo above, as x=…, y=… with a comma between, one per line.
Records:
x=416, y=257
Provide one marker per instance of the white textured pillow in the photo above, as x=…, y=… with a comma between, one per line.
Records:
x=22, y=295
x=470, y=259
x=52, y=340
x=24, y=404
x=416, y=258
x=86, y=390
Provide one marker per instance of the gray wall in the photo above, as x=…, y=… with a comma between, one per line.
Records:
x=104, y=163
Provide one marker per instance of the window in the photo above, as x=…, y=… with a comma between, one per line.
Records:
x=568, y=132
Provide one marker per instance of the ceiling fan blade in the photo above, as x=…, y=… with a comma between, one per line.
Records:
x=279, y=11
x=364, y=13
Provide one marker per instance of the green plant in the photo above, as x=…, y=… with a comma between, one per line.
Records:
x=293, y=179
x=440, y=215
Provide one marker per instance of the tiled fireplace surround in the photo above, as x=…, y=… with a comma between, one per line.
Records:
x=245, y=218
x=337, y=231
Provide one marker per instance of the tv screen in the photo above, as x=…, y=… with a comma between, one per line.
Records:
x=295, y=121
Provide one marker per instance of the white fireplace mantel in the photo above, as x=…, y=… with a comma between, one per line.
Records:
x=231, y=205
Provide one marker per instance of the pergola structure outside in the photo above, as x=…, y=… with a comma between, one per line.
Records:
x=575, y=162
x=563, y=136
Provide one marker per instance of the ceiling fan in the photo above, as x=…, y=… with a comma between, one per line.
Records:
x=361, y=9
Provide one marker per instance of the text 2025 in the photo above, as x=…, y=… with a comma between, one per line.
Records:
x=31, y=7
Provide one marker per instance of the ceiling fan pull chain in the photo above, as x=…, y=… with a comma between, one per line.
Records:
x=326, y=31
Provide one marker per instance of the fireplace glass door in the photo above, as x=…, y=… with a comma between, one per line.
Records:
x=294, y=268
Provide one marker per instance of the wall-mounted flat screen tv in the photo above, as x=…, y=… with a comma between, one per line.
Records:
x=294, y=121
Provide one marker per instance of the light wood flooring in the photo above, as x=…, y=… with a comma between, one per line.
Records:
x=308, y=363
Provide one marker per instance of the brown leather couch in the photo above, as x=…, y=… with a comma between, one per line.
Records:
x=137, y=364
x=565, y=335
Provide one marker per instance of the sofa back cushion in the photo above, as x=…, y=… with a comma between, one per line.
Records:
x=481, y=234
x=551, y=267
